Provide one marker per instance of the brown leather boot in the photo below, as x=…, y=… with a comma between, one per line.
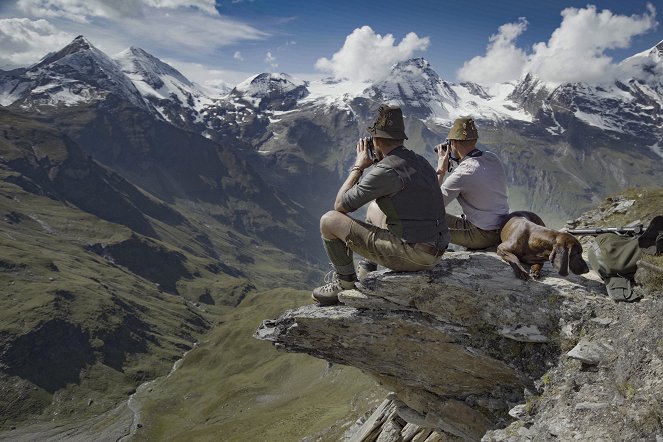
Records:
x=328, y=294
x=364, y=267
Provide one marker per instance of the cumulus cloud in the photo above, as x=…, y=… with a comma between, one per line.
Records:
x=271, y=60
x=575, y=52
x=24, y=41
x=238, y=56
x=366, y=55
x=503, y=60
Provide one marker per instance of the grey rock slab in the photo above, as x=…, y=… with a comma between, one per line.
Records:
x=591, y=406
x=373, y=425
x=519, y=412
x=590, y=352
x=602, y=321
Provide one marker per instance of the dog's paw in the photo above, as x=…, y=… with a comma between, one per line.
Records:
x=535, y=270
x=521, y=275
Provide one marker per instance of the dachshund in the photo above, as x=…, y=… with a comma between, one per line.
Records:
x=526, y=239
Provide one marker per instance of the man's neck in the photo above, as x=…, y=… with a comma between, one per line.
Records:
x=463, y=152
x=387, y=151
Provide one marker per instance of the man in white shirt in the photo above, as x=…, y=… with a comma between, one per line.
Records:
x=478, y=182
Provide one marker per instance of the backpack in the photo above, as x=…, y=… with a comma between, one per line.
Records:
x=615, y=258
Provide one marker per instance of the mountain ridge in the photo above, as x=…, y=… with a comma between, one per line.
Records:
x=189, y=203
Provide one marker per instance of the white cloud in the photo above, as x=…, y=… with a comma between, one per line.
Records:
x=82, y=11
x=366, y=55
x=75, y=10
x=238, y=56
x=23, y=41
x=575, y=52
x=204, y=5
x=271, y=60
x=186, y=28
x=208, y=75
x=503, y=60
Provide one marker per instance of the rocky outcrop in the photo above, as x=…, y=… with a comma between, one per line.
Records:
x=458, y=345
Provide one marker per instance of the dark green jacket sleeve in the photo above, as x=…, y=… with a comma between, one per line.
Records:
x=379, y=182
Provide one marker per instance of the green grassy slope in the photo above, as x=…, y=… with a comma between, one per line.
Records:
x=233, y=387
x=105, y=285
x=71, y=320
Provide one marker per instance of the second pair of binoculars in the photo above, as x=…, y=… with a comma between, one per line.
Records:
x=446, y=144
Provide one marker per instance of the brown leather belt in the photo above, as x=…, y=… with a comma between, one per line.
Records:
x=428, y=248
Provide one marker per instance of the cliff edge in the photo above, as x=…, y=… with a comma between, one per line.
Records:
x=470, y=352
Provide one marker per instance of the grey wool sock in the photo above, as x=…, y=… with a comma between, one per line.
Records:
x=340, y=256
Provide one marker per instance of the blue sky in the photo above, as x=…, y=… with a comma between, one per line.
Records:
x=484, y=41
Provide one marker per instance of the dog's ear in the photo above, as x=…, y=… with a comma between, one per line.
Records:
x=576, y=263
x=559, y=257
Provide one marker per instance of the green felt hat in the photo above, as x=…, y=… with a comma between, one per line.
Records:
x=389, y=123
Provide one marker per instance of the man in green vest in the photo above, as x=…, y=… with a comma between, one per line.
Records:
x=408, y=233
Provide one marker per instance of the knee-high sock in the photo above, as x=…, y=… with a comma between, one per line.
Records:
x=340, y=256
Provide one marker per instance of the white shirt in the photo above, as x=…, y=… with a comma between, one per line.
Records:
x=479, y=184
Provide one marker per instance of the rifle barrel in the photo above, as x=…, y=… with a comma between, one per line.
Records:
x=636, y=230
x=650, y=266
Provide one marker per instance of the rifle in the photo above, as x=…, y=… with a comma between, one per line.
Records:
x=635, y=230
x=650, y=266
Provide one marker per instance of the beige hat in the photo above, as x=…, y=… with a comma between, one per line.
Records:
x=463, y=129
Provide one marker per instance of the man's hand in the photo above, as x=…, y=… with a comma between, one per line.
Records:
x=442, y=159
x=363, y=161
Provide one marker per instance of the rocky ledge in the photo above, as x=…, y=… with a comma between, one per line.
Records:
x=468, y=352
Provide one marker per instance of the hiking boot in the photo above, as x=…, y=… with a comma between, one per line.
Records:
x=364, y=267
x=328, y=293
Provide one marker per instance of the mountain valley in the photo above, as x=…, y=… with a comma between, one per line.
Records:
x=143, y=213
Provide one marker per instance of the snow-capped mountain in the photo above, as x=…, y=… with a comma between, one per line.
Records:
x=629, y=105
x=300, y=134
x=423, y=94
x=530, y=93
x=165, y=87
x=418, y=88
x=78, y=73
x=271, y=91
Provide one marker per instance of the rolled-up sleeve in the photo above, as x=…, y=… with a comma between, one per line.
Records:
x=377, y=183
